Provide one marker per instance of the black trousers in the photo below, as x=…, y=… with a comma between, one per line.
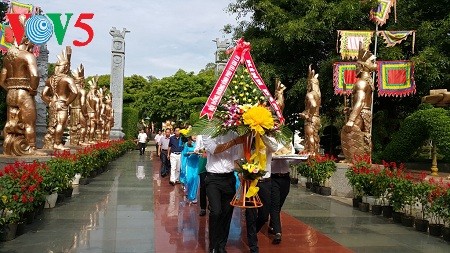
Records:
x=165, y=163
x=202, y=190
x=220, y=190
x=280, y=190
x=255, y=218
x=142, y=147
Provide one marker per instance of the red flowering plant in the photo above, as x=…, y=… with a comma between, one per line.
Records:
x=421, y=191
x=437, y=199
x=62, y=167
x=321, y=168
x=356, y=174
x=20, y=188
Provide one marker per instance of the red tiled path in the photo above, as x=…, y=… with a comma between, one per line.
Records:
x=178, y=228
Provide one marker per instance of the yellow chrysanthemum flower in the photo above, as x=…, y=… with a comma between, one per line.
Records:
x=184, y=132
x=258, y=118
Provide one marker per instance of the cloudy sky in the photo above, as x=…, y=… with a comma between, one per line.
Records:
x=166, y=35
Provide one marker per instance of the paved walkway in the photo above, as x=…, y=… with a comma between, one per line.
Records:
x=130, y=209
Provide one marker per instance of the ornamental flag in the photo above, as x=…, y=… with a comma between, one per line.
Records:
x=396, y=78
x=380, y=14
x=350, y=42
x=344, y=77
x=7, y=36
x=391, y=38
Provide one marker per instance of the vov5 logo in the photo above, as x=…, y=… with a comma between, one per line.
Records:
x=40, y=28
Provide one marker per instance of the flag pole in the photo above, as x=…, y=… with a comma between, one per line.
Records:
x=373, y=82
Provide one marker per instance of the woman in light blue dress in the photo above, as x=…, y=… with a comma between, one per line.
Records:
x=191, y=168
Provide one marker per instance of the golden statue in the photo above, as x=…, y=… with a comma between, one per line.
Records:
x=101, y=122
x=78, y=111
x=356, y=134
x=279, y=93
x=59, y=92
x=108, y=115
x=93, y=109
x=439, y=98
x=19, y=77
x=311, y=113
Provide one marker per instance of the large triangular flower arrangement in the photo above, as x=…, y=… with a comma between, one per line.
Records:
x=240, y=102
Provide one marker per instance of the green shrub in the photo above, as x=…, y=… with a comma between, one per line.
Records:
x=130, y=119
x=433, y=123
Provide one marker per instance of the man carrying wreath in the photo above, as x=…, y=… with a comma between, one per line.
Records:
x=220, y=181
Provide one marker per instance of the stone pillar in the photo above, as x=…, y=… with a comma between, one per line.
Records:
x=221, y=59
x=41, y=107
x=116, y=82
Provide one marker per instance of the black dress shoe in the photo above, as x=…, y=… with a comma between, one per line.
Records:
x=277, y=239
x=172, y=183
x=202, y=212
x=163, y=175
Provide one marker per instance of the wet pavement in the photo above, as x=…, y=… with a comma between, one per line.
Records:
x=130, y=208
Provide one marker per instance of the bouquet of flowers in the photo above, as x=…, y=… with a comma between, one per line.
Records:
x=239, y=102
x=243, y=110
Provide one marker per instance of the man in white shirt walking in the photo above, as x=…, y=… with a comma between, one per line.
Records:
x=158, y=137
x=220, y=182
x=142, y=141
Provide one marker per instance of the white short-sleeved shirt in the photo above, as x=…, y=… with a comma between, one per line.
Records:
x=158, y=137
x=222, y=162
x=142, y=137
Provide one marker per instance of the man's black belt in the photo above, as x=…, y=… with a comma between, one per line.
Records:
x=176, y=153
x=229, y=174
x=280, y=174
x=262, y=180
x=163, y=149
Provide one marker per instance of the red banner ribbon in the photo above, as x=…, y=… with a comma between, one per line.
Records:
x=261, y=85
x=241, y=54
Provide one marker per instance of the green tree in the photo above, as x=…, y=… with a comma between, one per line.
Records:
x=175, y=97
x=103, y=81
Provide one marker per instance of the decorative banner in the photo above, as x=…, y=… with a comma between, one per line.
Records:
x=241, y=54
x=344, y=74
x=7, y=36
x=251, y=67
x=391, y=38
x=396, y=78
x=350, y=42
x=4, y=43
x=380, y=14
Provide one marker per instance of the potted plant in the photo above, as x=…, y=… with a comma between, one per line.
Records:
x=326, y=167
x=396, y=198
x=49, y=186
x=20, y=188
x=446, y=216
x=303, y=170
x=437, y=210
x=422, y=191
x=380, y=182
x=353, y=177
x=20, y=184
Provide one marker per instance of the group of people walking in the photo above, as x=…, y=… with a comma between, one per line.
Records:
x=210, y=163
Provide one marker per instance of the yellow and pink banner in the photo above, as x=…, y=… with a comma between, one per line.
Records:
x=396, y=78
x=349, y=46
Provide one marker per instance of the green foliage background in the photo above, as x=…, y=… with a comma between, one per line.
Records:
x=130, y=118
x=286, y=36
